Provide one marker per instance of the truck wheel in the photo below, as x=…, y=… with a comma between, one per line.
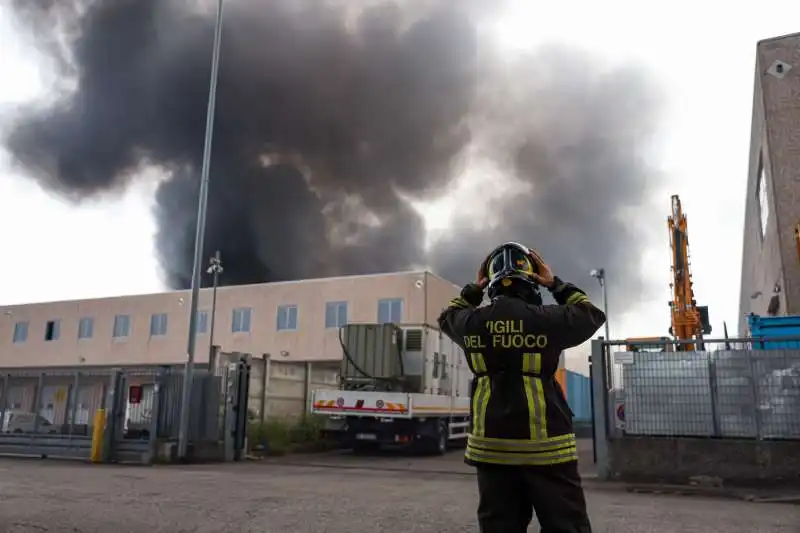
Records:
x=435, y=444
x=442, y=439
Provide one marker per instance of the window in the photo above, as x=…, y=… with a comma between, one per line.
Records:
x=763, y=200
x=335, y=314
x=52, y=330
x=241, y=320
x=86, y=328
x=287, y=317
x=390, y=310
x=202, y=322
x=20, y=332
x=158, y=325
x=122, y=326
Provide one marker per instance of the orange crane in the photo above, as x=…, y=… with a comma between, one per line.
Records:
x=688, y=320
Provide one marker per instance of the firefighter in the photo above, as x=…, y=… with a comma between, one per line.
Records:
x=522, y=442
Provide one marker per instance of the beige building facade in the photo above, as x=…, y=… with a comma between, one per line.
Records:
x=289, y=321
x=771, y=264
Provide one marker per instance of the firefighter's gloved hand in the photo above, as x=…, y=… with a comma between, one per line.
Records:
x=472, y=293
x=543, y=274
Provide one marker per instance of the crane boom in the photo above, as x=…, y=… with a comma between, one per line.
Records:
x=686, y=320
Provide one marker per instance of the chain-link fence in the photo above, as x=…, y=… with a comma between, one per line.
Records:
x=721, y=389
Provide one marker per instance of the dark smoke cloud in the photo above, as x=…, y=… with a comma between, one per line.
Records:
x=326, y=117
x=574, y=136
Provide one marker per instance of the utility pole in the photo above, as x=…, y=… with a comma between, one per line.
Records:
x=186, y=392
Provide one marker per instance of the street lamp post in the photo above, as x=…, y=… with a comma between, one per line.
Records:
x=215, y=269
x=186, y=392
x=600, y=274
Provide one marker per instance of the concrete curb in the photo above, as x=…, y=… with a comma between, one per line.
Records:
x=729, y=493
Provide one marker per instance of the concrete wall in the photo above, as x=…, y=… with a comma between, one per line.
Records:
x=288, y=386
x=678, y=460
x=423, y=295
x=775, y=147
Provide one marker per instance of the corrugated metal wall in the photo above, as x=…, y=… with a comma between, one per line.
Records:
x=578, y=390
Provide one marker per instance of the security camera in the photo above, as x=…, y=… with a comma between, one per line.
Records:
x=419, y=284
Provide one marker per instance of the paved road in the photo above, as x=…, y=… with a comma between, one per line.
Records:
x=369, y=495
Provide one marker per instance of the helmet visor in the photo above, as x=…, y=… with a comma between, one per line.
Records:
x=509, y=260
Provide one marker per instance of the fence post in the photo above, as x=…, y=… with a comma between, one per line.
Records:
x=600, y=397
x=712, y=383
x=37, y=400
x=113, y=405
x=265, y=390
x=756, y=402
x=307, y=390
x=155, y=414
x=229, y=424
x=212, y=361
x=4, y=402
x=72, y=403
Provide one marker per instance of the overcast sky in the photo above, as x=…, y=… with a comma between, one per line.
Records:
x=703, y=56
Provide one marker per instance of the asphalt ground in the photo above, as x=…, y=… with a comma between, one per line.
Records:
x=330, y=493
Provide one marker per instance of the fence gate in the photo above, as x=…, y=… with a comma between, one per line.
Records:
x=43, y=413
x=51, y=412
x=132, y=422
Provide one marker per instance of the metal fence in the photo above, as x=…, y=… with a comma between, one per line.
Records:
x=725, y=390
x=51, y=411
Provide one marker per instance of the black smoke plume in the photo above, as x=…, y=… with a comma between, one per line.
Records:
x=329, y=117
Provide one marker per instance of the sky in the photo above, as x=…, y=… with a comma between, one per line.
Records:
x=701, y=56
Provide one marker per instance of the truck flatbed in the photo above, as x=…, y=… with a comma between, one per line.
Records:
x=387, y=404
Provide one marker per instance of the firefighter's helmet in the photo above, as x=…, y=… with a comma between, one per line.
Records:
x=509, y=269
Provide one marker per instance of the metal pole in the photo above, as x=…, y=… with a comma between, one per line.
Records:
x=600, y=274
x=215, y=269
x=602, y=279
x=183, y=428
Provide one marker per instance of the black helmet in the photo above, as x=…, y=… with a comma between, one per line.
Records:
x=509, y=269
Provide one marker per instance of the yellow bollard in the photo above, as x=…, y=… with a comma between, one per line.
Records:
x=97, y=435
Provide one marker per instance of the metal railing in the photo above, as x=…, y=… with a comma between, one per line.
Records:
x=730, y=388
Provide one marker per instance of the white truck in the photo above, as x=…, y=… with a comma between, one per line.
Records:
x=399, y=386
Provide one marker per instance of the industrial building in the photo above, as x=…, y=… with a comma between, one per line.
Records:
x=290, y=321
x=771, y=251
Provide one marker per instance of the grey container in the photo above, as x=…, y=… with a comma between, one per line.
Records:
x=758, y=393
x=728, y=393
x=668, y=394
x=375, y=350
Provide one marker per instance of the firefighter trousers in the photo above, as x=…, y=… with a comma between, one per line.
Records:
x=509, y=495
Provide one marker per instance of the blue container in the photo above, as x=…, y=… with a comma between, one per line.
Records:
x=774, y=327
x=579, y=397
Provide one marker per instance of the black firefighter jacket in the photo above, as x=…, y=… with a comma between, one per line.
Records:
x=518, y=410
